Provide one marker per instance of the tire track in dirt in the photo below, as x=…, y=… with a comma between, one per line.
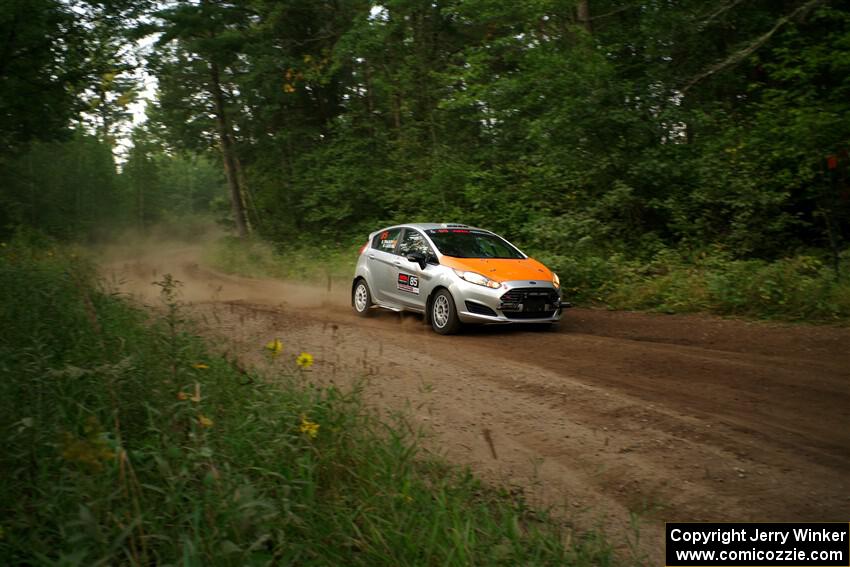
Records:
x=613, y=417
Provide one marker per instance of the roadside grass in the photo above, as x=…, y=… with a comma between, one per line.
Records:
x=126, y=442
x=802, y=288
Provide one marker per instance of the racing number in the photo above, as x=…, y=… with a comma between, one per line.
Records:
x=408, y=283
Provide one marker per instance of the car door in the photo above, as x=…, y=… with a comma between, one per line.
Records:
x=381, y=260
x=411, y=280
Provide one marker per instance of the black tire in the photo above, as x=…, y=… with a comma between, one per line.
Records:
x=362, y=304
x=442, y=313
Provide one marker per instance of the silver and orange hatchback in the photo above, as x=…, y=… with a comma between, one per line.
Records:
x=453, y=274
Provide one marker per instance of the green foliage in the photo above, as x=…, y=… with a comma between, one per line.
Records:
x=126, y=441
x=40, y=67
x=69, y=190
x=651, y=127
x=159, y=186
x=798, y=288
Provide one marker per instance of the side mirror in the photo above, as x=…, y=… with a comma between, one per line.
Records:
x=419, y=258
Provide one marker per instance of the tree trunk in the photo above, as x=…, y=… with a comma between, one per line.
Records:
x=397, y=110
x=583, y=13
x=227, y=153
x=247, y=203
x=370, y=100
x=140, y=205
x=104, y=117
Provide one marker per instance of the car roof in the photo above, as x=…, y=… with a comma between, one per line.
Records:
x=435, y=225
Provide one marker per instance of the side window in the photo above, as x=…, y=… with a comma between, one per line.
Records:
x=413, y=241
x=386, y=240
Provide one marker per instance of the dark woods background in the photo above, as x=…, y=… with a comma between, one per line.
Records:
x=582, y=129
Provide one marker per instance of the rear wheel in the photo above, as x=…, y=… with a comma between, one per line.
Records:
x=443, y=314
x=361, y=298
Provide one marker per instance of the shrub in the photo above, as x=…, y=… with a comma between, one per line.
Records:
x=799, y=288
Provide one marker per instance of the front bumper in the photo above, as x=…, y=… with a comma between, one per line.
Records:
x=522, y=301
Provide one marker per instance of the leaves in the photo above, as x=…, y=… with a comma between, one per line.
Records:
x=342, y=116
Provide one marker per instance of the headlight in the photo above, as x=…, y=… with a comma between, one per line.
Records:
x=556, y=281
x=478, y=279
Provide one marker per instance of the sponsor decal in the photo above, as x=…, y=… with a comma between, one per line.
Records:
x=408, y=283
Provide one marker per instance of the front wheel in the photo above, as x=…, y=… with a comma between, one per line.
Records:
x=443, y=314
x=361, y=299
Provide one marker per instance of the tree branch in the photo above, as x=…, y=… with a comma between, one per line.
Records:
x=742, y=54
x=615, y=12
x=723, y=9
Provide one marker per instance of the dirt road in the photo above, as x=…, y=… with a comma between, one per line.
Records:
x=612, y=418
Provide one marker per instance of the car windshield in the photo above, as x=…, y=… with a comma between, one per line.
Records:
x=464, y=243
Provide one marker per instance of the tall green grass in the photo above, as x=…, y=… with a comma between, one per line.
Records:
x=798, y=288
x=126, y=442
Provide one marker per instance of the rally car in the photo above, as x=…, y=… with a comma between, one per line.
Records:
x=454, y=274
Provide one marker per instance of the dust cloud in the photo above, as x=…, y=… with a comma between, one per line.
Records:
x=132, y=264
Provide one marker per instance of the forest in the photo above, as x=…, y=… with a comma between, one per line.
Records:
x=620, y=141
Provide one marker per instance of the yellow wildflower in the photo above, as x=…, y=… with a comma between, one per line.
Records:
x=200, y=366
x=197, y=397
x=309, y=428
x=89, y=451
x=274, y=347
x=181, y=395
x=304, y=360
x=204, y=421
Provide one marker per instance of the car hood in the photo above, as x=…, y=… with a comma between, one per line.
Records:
x=501, y=270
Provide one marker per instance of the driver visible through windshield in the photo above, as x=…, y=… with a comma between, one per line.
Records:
x=462, y=243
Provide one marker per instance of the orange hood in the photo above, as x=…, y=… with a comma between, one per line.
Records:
x=501, y=270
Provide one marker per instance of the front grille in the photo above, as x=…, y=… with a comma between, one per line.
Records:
x=479, y=309
x=522, y=294
x=530, y=303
